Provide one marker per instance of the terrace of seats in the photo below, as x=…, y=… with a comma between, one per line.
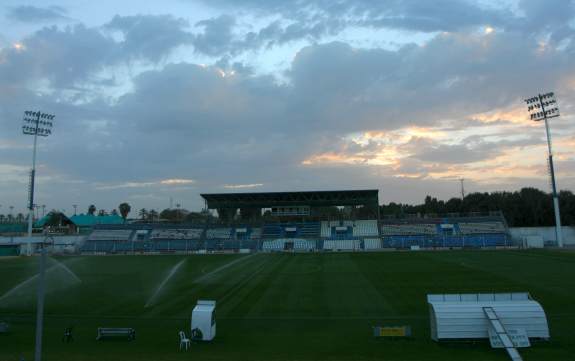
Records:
x=110, y=235
x=342, y=245
x=102, y=246
x=283, y=244
x=180, y=233
x=326, y=235
x=481, y=228
x=408, y=229
x=371, y=243
x=349, y=229
x=292, y=230
x=219, y=233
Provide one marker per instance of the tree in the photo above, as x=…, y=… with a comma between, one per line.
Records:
x=143, y=214
x=153, y=215
x=20, y=218
x=528, y=207
x=114, y=212
x=102, y=212
x=124, y=210
x=174, y=215
x=92, y=209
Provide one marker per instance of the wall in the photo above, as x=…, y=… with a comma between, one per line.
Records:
x=535, y=237
x=62, y=244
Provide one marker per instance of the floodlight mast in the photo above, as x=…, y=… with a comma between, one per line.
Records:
x=544, y=107
x=37, y=124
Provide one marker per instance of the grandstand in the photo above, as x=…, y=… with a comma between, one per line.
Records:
x=302, y=232
x=177, y=233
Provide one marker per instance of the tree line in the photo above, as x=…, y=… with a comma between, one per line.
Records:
x=528, y=207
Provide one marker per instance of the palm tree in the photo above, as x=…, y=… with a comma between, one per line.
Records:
x=124, y=210
x=20, y=218
x=2, y=217
x=143, y=214
x=153, y=215
x=91, y=209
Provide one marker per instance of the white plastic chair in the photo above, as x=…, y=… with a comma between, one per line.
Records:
x=184, y=341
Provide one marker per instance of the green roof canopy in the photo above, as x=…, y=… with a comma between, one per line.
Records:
x=86, y=220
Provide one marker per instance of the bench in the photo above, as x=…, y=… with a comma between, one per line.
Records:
x=128, y=332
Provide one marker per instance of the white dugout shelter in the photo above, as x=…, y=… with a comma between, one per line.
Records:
x=470, y=316
x=204, y=319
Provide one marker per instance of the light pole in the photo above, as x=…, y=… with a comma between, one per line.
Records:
x=36, y=124
x=40, y=298
x=544, y=107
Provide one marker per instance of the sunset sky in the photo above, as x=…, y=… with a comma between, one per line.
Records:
x=180, y=97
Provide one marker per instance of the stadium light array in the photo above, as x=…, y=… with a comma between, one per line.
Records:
x=37, y=123
x=544, y=107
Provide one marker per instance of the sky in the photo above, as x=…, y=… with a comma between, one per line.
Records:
x=166, y=100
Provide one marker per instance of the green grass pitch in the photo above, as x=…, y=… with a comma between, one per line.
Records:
x=277, y=306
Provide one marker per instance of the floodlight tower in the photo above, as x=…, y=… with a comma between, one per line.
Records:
x=36, y=123
x=544, y=107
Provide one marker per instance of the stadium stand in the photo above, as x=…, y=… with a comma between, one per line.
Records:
x=256, y=233
x=292, y=230
x=289, y=244
x=365, y=228
x=481, y=228
x=342, y=245
x=371, y=243
x=186, y=233
x=304, y=245
x=272, y=231
x=110, y=235
x=408, y=229
x=219, y=233
x=275, y=245
x=294, y=234
x=325, y=229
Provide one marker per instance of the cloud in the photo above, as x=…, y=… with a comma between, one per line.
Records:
x=60, y=56
x=243, y=186
x=33, y=14
x=163, y=182
x=150, y=36
x=340, y=115
x=72, y=56
x=317, y=19
x=217, y=36
x=177, y=181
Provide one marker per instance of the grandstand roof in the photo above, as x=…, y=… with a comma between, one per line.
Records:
x=283, y=199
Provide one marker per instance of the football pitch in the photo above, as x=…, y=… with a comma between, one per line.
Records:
x=276, y=306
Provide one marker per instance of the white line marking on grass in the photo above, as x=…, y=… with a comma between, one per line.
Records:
x=173, y=271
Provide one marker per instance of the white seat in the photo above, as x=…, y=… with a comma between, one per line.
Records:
x=184, y=340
